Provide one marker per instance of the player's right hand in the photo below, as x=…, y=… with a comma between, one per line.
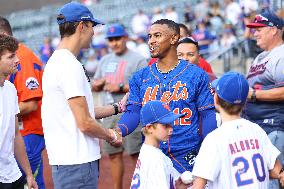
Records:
x=180, y=185
x=117, y=138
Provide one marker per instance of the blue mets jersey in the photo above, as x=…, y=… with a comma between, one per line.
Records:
x=186, y=90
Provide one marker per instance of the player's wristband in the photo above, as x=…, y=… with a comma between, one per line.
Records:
x=115, y=106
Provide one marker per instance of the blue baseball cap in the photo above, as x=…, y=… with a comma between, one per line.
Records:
x=116, y=30
x=266, y=19
x=232, y=87
x=76, y=12
x=157, y=112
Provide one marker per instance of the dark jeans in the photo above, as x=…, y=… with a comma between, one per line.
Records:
x=18, y=184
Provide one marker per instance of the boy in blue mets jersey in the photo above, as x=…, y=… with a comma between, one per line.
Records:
x=181, y=85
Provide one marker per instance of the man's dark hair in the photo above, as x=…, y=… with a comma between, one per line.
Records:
x=183, y=26
x=5, y=26
x=189, y=40
x=68, y=28
x=171, y=24
x=231, y=109
x=7, y=42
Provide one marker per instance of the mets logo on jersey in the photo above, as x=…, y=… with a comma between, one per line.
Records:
x=180, y=92
x=32, y=83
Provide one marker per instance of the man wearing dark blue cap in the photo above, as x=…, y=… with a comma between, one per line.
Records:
x=266, y=80
x=238, y=154
x=112, y=75
x=70, y=129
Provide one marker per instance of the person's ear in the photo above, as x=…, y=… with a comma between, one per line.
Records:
x=174, y=39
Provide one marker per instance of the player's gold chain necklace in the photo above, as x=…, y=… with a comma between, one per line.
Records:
x=167, y=71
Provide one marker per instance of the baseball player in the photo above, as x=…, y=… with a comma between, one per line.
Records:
x=238, y=154
x=155, y=171
x=184, y=87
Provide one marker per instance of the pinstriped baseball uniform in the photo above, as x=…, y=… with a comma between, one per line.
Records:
x=153, y=170
x=237, y=155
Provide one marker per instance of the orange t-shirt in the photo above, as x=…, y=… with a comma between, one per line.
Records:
x=28, y=82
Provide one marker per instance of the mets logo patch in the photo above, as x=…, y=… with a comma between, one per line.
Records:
x=32, y=83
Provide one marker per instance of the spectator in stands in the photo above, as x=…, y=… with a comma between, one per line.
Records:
x=266, y=81
x=188, y=50
x=113, y=72
x=189, y=15
x=140, y=22
x=227, y=39
x=157, y=14
x=184, y=31
x=204, y=37
x=28, y=82
x=68, y=113
x=171, y=14
x=46, y=50
x=12, y=147
x=142, y=46
x=233, y=11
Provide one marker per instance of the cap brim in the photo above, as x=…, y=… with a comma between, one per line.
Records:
x=97, y=22
x=256, y=25
x=170, y=118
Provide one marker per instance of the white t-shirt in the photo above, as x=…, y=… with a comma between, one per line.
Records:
x=64, y=78
x=9, y=170
x=154, y=170
x=238, y=154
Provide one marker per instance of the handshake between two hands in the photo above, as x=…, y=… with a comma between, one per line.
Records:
x=116, y=137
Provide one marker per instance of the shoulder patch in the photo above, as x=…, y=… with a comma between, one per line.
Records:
x=32, y=83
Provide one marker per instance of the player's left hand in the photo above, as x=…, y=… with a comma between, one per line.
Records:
x=31, y=182
x=123, y=102
x=180, y=185
x=112, y=88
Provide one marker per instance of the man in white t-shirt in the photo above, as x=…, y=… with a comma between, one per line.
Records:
x=68, y=113
x=239, y=153
x=12, y=147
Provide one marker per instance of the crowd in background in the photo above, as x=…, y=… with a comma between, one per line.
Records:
x=213, y=24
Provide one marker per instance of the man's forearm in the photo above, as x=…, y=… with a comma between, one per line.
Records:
x=20, y=154
x=28, y=106
x=274, y=173
x=104, y=111
x=276, y=94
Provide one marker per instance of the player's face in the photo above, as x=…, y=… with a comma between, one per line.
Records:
x=163, y=132
x=8, y=63
x=117, y=44
x=188, y=52
x=160, y=37
x=87, y=34
x=263, y=37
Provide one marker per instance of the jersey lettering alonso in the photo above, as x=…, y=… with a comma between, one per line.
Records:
x=186, y=90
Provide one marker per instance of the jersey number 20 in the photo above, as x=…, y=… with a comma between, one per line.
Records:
x=256, y=159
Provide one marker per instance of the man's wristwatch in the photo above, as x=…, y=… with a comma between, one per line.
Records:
x=115, y=106
x=121, y=87
x=253, y=96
